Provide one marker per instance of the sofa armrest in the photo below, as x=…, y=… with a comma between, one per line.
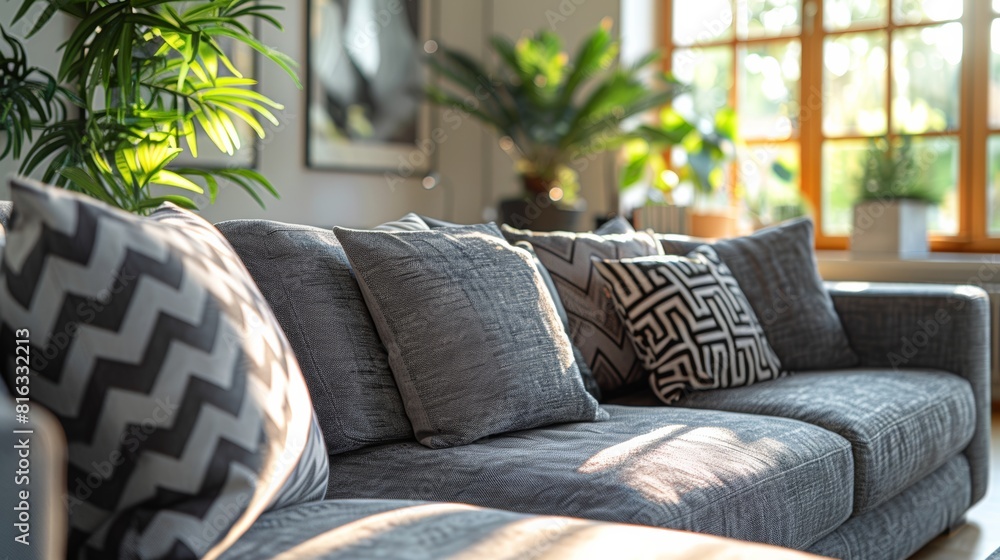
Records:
x=940, y=327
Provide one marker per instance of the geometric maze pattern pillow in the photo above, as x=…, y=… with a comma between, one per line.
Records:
x=594, y=325
x=184, y=409
x=690, y=323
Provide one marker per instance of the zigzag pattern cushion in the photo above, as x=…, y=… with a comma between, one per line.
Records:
x=594, y=325
x=185, y=412
x=690, y=323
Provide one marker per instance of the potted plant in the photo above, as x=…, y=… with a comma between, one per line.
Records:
x=890, y=217
x=705, y=150
x=146, y=79
x=550, y=109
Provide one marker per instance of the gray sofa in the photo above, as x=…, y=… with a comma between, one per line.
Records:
x=867, y=463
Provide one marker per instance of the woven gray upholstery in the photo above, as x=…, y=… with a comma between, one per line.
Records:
x=674, y=244
x=776, y=268
x=767, y=480
x=615, y=226
x=6, y=207
x=884, y=321
x=381, y=529
x=474, y=339
x=306, y=278
x=581, y=363
x=906, y=523
x=902, y=425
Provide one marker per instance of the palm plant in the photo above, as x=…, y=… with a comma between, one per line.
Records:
x=146, y=76
x=551, y=109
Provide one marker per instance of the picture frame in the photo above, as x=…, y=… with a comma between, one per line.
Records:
x=364, y=81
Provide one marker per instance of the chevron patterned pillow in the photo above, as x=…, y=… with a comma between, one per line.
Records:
x=594, y=326
x=690, y=323
x=184, y=409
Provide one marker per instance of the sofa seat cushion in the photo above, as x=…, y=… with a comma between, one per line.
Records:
x=768, y=480
x=379, y=529
x=902, y=425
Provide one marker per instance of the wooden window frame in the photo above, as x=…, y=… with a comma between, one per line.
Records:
x=973, y=131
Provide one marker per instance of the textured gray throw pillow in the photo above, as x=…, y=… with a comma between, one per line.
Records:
x=475, y=342
x=776, y=268
x=304, y=274
x=581, y=362
x=595, y=327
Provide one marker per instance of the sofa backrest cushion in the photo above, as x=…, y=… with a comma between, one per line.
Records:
x=185, y=413
x=474, y=339
x=776, y=268
x=305, y=275
x=595, y=327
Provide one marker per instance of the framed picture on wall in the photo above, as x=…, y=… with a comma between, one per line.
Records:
x=365, y=76
x=244, y=59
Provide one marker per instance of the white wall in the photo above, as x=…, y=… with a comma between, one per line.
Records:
x=474, y=172
x=42, y=53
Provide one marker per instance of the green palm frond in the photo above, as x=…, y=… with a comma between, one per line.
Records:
x=150, y=76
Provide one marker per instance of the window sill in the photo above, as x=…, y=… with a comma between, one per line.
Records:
x=936, y=268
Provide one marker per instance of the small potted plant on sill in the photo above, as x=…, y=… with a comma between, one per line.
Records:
x=890, y=217
x=704, y=154
x=551, y=110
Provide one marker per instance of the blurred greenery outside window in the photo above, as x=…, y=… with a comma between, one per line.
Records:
x=811, y=81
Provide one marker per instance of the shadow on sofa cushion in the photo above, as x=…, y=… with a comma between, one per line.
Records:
x=902, y=425
x=380, y=529
x=748, y=477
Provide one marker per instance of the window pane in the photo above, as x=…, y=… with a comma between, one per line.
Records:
x=768, y=89
x=708, y=72
x=854, y=84
x=996, y=6
x=995, y=76
x=937, y=158
x=843, y=164
x=769, y=18
x=703, y=21
x=844, y=14
x=769, y=176
x=926, y=78
x=994, y=184
x=916, y=11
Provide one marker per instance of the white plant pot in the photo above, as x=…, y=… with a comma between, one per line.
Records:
x=891, y=228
